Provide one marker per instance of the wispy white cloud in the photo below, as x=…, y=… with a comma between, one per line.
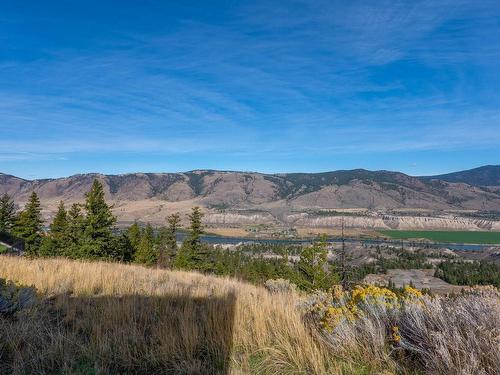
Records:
x=324, y=77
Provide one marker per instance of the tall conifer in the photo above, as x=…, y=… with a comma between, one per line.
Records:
x=168, y=241
x=75, y=228
x=146, y=251
x=7, y=213
x=98, y=223
x=56, y=240
x=134, y=235
x=29, y=225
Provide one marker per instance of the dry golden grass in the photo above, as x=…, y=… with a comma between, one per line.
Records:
x=109, y=318
x=98, y=318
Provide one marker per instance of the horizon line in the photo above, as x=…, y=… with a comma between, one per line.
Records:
x=243, y=171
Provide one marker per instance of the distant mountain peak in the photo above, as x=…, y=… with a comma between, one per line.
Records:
x=487, y=175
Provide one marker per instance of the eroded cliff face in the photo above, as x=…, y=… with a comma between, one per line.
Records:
x=399, y=222
x=155, y=212
x=239, y=219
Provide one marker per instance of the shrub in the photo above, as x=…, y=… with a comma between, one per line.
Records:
x=274, y=286
x=438, y=335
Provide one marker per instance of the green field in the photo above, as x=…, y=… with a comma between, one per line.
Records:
x=446, y=236
x=3, y=249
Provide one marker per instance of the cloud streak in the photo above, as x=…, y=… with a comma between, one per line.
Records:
x=312, y=77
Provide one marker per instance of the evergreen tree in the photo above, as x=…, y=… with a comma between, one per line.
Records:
x=75, y=229
x=56, y=241
x=146, y=252
x=193, y=254
x=59, y=225
x=134, y=234
x=161, y=245
x=98, y=224
x=7, y=213
x=312, y=267
x=183, y=258
x=195, y=230
x=122, y=249
x=168, y=241
x=47, y=247
x=29, y=225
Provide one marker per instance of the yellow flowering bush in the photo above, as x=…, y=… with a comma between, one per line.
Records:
x=373, y=294
x=338, y=306
x=407, y=325
x=333, y=316
x=410, y=292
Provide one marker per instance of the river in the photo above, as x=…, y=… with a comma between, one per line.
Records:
x=221, y=240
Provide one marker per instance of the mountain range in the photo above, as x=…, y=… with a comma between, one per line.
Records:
x=488, y=175
x=476, y=189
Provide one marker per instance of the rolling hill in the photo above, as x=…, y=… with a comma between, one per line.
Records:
x=488, y=175
x=257, y=197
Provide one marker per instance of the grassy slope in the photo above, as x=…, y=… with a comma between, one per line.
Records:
x=109, y=318
x=130, y=319
x=446, y=236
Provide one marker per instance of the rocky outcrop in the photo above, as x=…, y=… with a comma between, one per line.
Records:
x=238, y=219
x=384, y=221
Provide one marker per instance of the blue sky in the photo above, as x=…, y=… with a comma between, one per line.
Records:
x=271, y=86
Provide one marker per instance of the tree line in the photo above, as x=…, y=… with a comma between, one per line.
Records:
x=87, y=231
x=469, y=273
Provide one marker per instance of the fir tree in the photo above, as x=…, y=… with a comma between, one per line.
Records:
x=56, y=240
x=75, y=229
x=7, y=213
x=98, y=224
x=183, y=258
x=312, y=266
x=168, y=241
x=59, y=225
x=193, y=254
x=146, y=252
x=134, y=235
x=29, y=225
x=122, y=249
x=161, y=244
x=195, y=230
x=47, y=247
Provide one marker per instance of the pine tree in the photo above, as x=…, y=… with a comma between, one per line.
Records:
x=195, y=231
x=122, y=249
x=312, y=266
x=168, y=241
x=161, y=244
x=47, y=247
x=56, y=241
x=29, y=225
x=134, y=235
x=183, y=258
x=99, y=221
x=75, y=229
x=193, y=254
x=146, y=252
x=7, y=213
x=59, y=225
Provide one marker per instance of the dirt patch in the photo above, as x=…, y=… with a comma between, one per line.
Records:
x=421, y=279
